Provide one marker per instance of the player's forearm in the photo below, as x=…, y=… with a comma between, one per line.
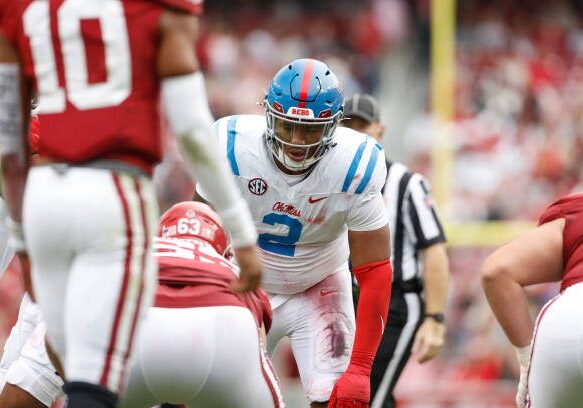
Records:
x=509, y=304
x=371, y=317
x=436, y=276
x=14, y=173
x=14, y=115
x=184, y=100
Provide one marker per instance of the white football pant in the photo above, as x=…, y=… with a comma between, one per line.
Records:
x=556, y=368
x=201, y=357
x=320, y=325
x=89, y=233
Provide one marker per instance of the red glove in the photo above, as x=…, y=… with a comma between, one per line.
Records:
x=353, y=388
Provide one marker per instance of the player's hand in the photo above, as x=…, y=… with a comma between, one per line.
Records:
x=429, y=340
x=251, y=268
x=351, y=390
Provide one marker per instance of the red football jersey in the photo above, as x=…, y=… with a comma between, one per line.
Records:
x=192, y=274
x=571, y=209
x=93, y=66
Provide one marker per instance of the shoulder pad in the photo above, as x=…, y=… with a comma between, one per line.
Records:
x=9, y=20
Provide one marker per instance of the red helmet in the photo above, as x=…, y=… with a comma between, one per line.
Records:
x=190, y=219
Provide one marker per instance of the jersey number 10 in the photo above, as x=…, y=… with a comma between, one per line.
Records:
x=78, y=90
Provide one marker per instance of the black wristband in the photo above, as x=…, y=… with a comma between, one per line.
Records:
x=438, y=317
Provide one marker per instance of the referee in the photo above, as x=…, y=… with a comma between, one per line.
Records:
x=420, y=265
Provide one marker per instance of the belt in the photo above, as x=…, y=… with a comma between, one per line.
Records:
x=414, y=285
x=95, y=164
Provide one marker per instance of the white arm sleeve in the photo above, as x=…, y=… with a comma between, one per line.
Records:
x=6, y=251
x=10, y=110
x=185, y=103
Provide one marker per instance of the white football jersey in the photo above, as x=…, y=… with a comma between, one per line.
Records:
x=302, y=223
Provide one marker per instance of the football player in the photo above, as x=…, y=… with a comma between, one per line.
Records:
x=314, y=191
x=100, y=70
x=549, y=353
x=200, y=345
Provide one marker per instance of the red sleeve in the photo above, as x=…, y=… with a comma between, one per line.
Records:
x=552, y=212
x=560, y=208
x=188, y=6
x=371, y=315
x=9, y=20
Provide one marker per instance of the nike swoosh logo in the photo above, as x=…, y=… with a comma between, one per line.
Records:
x=324, y=292
x=313, y=200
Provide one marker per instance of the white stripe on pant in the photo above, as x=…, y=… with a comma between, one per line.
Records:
x=409, y=330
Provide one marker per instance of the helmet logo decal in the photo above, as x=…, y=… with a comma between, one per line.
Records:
x=325, y=114
x=277, y=107
x=190, y=213
x=301, y=112
x=257, y=186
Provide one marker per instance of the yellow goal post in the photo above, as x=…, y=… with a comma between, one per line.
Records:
x=442, y=79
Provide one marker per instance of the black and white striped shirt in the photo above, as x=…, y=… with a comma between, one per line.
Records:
x=413, y=220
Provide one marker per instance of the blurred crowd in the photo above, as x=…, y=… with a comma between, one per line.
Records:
x=519, y=108
x=518, y=141
x=241, y=51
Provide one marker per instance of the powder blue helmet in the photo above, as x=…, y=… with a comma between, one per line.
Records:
x=304, y=96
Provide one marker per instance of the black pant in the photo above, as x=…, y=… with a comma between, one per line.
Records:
x=405, y=316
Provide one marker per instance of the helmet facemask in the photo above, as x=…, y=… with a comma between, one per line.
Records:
x=316, y=134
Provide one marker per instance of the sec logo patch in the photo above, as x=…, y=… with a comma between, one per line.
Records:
x=257, y=186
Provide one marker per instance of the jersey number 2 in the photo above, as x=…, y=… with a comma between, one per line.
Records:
x=281, y=244
x=78, y=90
